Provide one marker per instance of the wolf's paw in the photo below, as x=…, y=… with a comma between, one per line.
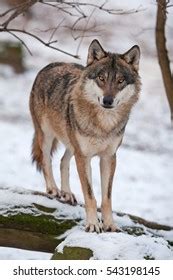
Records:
x=54, y=193
x=68, y=198
x=94, y=227
x=111, y=228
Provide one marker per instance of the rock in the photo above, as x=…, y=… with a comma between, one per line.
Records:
x=11, y=53
x=32, y=221
x=36, y=231
x=73, y=253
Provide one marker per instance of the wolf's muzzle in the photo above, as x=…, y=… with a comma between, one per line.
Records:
x=108, y=101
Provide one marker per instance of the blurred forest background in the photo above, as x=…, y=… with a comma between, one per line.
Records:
x=77, y=19
x=35, y=33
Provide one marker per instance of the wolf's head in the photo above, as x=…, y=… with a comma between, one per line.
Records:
x=111, y=79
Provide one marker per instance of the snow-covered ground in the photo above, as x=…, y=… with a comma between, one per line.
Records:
x=144, y=242
x=13, y=254
x=144, y=176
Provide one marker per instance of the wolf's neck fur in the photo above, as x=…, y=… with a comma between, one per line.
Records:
x=94, y=120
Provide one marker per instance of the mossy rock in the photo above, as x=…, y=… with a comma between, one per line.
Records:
x=134, y=230
x=26, y=240
x=149, y=257
x=11, y=53
x=29, y=232
x=39, y=228
x=44, y=208
x=45, y=224
x=73, y=253
x=170, y=242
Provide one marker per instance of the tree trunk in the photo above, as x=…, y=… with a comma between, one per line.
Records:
x=162, y=52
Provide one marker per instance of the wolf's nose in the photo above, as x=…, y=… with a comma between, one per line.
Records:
x=107, y=101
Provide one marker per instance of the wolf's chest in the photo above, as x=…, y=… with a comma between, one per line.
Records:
x=91, y=146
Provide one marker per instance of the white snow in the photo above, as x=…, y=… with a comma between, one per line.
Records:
x=143, y=183
x=104, y=246
x=21, y=197
x=112, y=246
x=18, y=254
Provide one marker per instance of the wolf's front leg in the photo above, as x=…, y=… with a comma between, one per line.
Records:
x=84, y=170
x=107, y=170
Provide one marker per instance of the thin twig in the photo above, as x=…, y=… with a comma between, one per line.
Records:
x=76, y=22
x=101, y=7
x=22, y=42
x=64, y=10
x=18, y=6
x=84, y=30
x=55, y=29
x=19, y=10
x=47, y=44
x=8, y=11
x=71, y=8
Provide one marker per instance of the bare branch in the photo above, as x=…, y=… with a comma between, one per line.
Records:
x=18, y=10
x=47, y=44
x=62, y=9
x=77, y=6
x=73, y=9
x=22, y=42
x=55, y=29
x=84, y=30
x=76, y=22
x=8, y=11
x=102, y=8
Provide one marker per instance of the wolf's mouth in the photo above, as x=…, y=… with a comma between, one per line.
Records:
x=107, y=106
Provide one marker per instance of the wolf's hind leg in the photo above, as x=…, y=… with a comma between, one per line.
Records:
x=66, y=193
x=48, y=145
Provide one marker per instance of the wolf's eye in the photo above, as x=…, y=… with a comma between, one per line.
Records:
x=101, y=78
x=121, y=80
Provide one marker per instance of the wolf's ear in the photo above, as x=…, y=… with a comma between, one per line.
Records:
x=132, y=57
x=95, y=52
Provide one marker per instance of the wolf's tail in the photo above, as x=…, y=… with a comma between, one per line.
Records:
x=37, y=154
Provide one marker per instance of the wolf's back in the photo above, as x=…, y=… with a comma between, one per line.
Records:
x=54, y=83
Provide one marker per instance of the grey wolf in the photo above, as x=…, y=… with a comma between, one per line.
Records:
x=87, y=109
